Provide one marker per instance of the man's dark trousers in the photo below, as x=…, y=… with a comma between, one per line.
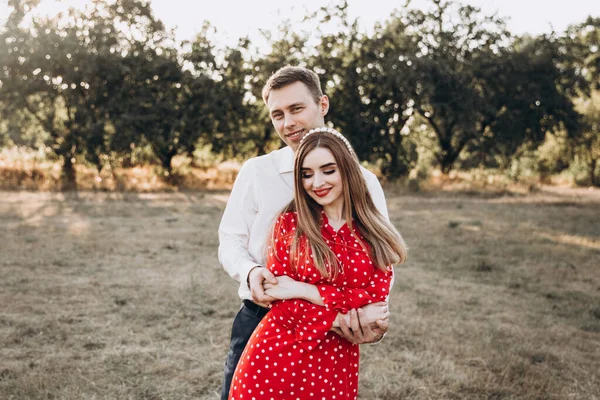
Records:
x=246, y=320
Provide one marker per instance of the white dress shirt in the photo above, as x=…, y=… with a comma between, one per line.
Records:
x=263, y=187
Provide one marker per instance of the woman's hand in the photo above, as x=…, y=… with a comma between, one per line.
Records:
x=286, y=288
x=375, y=312
x=360, y=331
x=371, y=312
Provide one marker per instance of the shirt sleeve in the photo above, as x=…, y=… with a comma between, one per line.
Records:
x=308, y=322
x=376, y=192
x=234, y=230
x=343, y=299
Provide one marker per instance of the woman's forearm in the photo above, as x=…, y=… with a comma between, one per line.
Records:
x=310, y=293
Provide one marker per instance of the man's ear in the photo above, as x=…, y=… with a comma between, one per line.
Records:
x=324, y=104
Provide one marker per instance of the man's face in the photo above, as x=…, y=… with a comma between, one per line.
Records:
x=294, y=112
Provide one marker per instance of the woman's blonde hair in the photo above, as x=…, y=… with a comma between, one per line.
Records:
x=386, y=244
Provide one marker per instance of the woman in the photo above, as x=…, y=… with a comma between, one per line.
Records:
x=332, y=252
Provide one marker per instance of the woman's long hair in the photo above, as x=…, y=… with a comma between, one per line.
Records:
x=386, y=245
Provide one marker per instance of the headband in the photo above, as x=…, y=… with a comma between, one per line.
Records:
x=334, y=133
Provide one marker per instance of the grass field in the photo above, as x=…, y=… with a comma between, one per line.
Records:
x=121, y=296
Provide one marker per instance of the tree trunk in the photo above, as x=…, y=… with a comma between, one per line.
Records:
x=165, y=162
x=69, y=175
x=395, y=168
x=447, y=159
x=593, y=178
x=262, y=144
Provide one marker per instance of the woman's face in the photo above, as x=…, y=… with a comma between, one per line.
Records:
x=321, y=177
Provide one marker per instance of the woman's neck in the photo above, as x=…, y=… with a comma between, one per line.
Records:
x=335, y=215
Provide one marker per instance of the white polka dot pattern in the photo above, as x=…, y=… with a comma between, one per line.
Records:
x=292, y=354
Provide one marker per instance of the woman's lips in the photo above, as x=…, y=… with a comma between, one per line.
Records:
x=322, y=192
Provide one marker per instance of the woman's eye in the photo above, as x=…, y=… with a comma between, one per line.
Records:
x=296, y=109
x=329, y=172
x=307, y=176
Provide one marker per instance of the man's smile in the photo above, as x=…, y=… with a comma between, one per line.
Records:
x=295, y=136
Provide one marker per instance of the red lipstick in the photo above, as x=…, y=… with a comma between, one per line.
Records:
x=322, y=192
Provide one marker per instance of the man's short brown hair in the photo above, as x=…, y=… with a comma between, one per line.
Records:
x=287, y=75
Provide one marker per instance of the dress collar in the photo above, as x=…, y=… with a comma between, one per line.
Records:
x=327, y=227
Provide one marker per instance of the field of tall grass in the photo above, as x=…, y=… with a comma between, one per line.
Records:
x=119, y=295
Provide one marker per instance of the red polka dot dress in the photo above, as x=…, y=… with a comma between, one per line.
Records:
x=292, y=354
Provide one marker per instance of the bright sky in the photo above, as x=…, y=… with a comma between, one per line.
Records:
x=237, y=18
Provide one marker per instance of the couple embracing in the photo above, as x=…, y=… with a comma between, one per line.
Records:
x=307, y=235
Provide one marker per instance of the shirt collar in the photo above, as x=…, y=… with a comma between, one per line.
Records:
x=286, y=161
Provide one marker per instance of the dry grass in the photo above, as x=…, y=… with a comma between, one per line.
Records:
x=24, y=169
x=121, y=296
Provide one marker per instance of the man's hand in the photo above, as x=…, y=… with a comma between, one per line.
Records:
x=359, y=330
x=256, y=278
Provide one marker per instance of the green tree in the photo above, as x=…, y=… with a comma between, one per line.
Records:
x=69, y=74
x=199, y=93
x=240, y=131
x=484, y=94
x=587, y=144
x=149, y=105
x=581, y=44
x=451, y=40
x=30, y=81
x=524, y=92
x=286, y=48
x=369, y=86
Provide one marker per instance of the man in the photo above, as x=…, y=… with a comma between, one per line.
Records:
x=262, y=188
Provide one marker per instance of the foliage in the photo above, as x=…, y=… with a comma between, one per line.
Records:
x=448, y=87
x=68, y=74
x=370, y=89
x=587, y=144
